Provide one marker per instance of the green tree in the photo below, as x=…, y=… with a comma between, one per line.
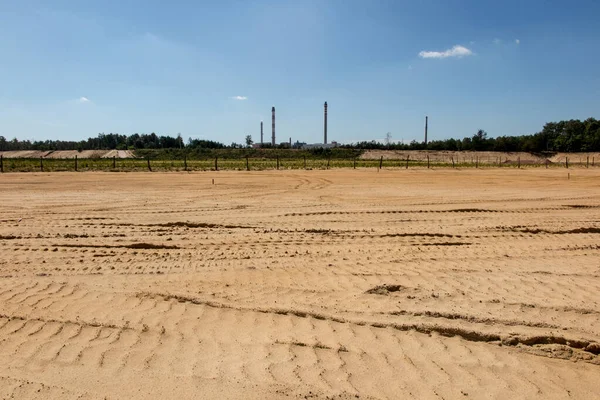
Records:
x=479, y=140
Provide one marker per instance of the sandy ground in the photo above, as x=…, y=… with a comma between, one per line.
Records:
x=65, y=154
x=273, y=284
x=484, y=157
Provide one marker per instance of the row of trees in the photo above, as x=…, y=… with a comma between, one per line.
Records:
x=564, y=136
x=102, y=141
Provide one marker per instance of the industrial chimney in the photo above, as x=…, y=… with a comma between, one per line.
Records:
x=261, y=133
x=325, y=126
x=273, y=125
x=426, y=120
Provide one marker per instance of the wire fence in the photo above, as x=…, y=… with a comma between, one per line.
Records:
x=277, y=163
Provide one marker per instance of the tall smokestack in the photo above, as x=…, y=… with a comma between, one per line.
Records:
x=325, y=126
x=261, y=132
x=273, y=125
x=426, y=120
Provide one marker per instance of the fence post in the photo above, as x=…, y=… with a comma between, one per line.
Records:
x=114, y=162
x=519, y=162
x=42, y=164
x=185, y=163
x=277, y=162
x=567, y=162
x=149, y=168
x=354, y=162
x=407, y=157
x=247, y=164
x=452, y=158
x=546, y=163
x=75, y=162
x=587, y=162
x=381, y=162
x=216, y=163
x=476, y=162
x=593, y=159
x=427, y=161
x=304, y=162
x=328, y=161
x=1, y=163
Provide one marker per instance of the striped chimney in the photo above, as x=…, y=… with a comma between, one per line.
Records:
x=273, y=125
x=325, y=125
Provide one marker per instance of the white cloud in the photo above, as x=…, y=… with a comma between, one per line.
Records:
x=239, y=98
x=517, y=41
x=83, y=100
x=456, y=51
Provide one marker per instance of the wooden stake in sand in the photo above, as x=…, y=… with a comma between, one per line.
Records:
x=354, y=162
x=216, y=163
x=452, y=158
x=75, y=162
x=42, y=164
x=149, y=168
x=328, y=161
x=567, y=162
x=519, y=162
x=185, y=163
x=1, y=163
x=381, y=162
x=407, y=157
x=277, y=162
x=427, y=161
x=476, y=162
x=247, y=164
x=304, y=162
x=587, y=162
x=114, y=162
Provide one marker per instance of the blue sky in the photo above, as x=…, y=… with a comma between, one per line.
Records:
x=72, y=69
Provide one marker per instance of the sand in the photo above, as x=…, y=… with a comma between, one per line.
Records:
x=485, y=157
x=66, y=154
x=423, y=284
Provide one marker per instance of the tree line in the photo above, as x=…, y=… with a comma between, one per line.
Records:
x=110, y=141
x=563, y=136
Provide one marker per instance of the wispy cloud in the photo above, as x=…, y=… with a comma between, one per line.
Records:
x=456, y=51
x=517, y=41
x=239, y=98
x=83, y=100
x=53, y=124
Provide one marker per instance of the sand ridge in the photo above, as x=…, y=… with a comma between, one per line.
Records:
x=283, y=284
